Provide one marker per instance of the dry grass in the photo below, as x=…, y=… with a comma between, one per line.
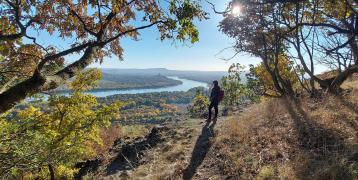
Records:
x=282, y=139
x=168, y=159
x=108, y=137
x=114, y=132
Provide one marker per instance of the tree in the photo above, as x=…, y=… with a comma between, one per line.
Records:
x=256, y=32
x=232, y=85
x=323, y=32
x=96, y=28
x=255, y=87
x=38, y=143
x=309, y=32
x=287, y=73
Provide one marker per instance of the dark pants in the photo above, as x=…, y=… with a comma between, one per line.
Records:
x=215, y=105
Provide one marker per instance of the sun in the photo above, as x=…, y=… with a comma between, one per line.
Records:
x=236, y=10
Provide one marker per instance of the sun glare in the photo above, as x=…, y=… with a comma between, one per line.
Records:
x=236, y=10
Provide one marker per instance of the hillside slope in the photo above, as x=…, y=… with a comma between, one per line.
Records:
x=162, y=154
x=276, y=139
x=289, y=140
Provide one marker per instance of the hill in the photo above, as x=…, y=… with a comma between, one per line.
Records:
x=131, y=81
x=276, y=139
x=202, y=76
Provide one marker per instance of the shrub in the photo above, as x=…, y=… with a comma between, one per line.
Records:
x=42, y=144
x=198, y=108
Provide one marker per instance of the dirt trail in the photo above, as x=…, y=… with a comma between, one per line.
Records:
x=201, y=148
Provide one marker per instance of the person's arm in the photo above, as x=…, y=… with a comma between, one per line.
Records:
x=211, y=94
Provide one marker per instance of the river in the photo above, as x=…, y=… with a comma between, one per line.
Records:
x=185, y=86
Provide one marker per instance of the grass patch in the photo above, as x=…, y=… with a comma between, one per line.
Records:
x=280, y=139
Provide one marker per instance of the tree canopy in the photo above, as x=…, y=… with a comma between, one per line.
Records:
x=94, y=29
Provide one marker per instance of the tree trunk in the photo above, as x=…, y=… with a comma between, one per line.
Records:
x=52, y=172
x=7, y=84
x=272, y=74
x=339, y=80
x=19, y=92
x=38, y=83
x=286, y=85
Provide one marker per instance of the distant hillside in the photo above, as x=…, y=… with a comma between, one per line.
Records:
x=132, y=81
x=202, y=76
x=128, y=81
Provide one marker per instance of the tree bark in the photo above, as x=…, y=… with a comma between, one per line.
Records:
x=354, y=48
x=7, y=84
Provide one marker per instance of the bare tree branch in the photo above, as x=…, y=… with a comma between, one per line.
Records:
x=214, y=9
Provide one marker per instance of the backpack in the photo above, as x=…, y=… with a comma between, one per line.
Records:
x=221, y=95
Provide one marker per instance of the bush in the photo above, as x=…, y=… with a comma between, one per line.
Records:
x=198, y=108
x=42, y=144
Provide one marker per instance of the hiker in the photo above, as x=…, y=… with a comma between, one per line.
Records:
x=215, y=97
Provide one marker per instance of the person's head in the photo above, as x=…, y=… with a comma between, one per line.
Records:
x=216, y=83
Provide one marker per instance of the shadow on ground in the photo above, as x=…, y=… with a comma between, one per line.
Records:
x=320, y=145
x=130, y=154
x=127, y=157
x=353, y=107
x=200, y=150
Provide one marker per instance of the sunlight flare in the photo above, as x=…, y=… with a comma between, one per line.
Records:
x=236, y=10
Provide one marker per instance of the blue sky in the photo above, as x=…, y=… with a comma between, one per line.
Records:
x=150, y=52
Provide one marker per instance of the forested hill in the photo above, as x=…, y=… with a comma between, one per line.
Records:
x=129, y=81
x=202, y=76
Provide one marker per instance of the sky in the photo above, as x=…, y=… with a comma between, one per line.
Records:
x=151, y=52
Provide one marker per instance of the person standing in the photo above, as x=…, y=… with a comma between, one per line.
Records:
x=214, y=99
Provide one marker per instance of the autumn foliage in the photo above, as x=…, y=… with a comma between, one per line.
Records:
x=47, y=143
